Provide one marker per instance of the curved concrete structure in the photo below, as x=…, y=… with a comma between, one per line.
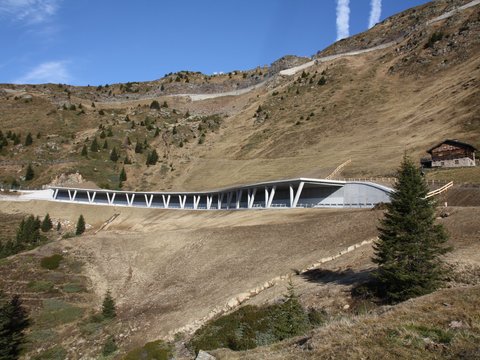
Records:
x=292, y=193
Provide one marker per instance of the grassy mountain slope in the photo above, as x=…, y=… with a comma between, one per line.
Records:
x=371, y=108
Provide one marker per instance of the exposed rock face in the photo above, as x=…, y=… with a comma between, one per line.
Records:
x=68, y=180
x=286, y=62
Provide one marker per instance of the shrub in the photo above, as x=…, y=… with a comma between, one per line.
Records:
x=322, y=81
x=108, y=306
x=109, y=347
x=47, y=224
x=56, y=312
x=28, y=140
x=80, y=226
x=114, y=155
x=40, y=286
x=155, y=105
x=73, y=288
x=84, y=151
x=51, y=262
x=156, y=350
x=29, y=174
x=436, y=36
x=55, y=353
x=252, y=326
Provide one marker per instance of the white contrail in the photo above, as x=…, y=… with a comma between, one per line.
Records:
x=343, y=18
x=375, y=12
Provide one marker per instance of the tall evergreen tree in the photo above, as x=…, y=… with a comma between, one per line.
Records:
x=28, y=140
x=105, y=144
x=94, y=146
x=123, y=175
x=80, y=225
x=13, y=322
x=84, y=151
x=114, y=155
x=108, y=306
x=47, y=224
x=410, y=243
x=29, y=174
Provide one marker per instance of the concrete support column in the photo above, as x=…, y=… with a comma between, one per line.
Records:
x=196, y=201
x=166, y=201
x=272, y=194
x=238, y=199
x=182, y=201
x=267, y=196
x=148, y=202
x=251, y=197
x=209, y=201
x=220, y=200
x=292, y=195
x=130, y=200
x=110, y=198
x=229, y=199
x=55, y=194
x=297, y=195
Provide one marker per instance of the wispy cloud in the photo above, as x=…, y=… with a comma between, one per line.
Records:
x=343, y=19
x=48, y=72
x=375, y=12
x=29, y=11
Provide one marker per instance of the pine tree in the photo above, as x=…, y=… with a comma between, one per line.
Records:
x=84, y=151
x=47, y=224
x=138, y=148
x=114, y=155
x=28, y=140
x=13, y=322
x=94, y=146
x=108, y=306
x=105, y=144
x=80, y=225
x=410, y=243
x=29, y=174
x=123, y=175
x=103, y=135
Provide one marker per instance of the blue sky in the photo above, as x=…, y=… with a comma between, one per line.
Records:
x=84, y=42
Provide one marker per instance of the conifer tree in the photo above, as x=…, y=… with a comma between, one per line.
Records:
x=108, y=306
x=29, y=174
x=94, y=146
x=47, y=224
x=123, y=175
x=13, y=322
x=28, y=140
x=138, y=148
x=114, y=155
x=84, y=151
x=80, y=225
x=410, y=243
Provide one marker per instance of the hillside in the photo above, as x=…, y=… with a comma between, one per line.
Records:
x=403, y=86
x=413, y=94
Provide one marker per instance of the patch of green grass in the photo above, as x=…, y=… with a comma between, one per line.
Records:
x=156, y=350
x=51, y=262
x=40, y=336
x=56, y=312
x=55, y=353
x=437, y=335
x=73, y=288
x=40, y=286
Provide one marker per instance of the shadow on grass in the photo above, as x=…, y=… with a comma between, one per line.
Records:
x=346, y=277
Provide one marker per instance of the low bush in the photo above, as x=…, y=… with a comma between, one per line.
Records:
x=252, y=326
x=73, y=288
x=55, y=353
x=51, y=262
x=156, y=350
x=56, y=312
x=40, y=286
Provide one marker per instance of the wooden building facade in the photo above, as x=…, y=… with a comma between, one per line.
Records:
x=452, y=153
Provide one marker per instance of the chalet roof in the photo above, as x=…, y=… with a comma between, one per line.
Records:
x=453, y=142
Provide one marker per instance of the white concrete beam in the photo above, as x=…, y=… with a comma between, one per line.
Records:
x=297, y=195
x=272, y=194
x=238, y=198
x=220, y=200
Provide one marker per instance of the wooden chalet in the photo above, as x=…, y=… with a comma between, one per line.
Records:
x=452, y=153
